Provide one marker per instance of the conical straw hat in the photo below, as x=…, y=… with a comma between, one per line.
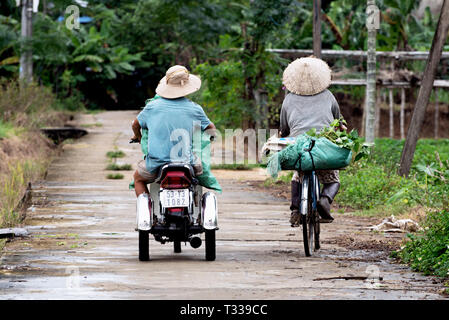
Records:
x=178, y=82
x=307, y=76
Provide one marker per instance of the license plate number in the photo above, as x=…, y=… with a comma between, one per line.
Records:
x=175, y=198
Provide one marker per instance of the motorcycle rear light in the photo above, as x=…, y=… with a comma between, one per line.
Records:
x=175, y=180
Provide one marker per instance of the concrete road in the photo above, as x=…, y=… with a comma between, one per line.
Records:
x=83, y=244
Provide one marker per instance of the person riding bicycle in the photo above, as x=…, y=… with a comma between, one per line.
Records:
x=309, y=105
x=170, y=121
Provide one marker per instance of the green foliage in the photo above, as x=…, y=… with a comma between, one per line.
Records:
x=367, y=186
x=115, y=154
x=282, y=179
x=428, y=251
x=339, y=136
x=222, y=92
x=118, y=59
x=115, y=176
x=6, y=129
x=27, y=107
x=374, y=182
x=13, y=185
x=119, y=167
x=238, y=166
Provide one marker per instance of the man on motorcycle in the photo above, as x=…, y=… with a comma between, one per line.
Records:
x=170, y=121
x=309, y=105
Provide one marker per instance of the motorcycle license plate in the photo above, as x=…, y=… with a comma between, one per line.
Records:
x=175, y=198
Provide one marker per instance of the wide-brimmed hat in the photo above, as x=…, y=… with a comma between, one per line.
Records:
x=178, y=82
x=307, y=76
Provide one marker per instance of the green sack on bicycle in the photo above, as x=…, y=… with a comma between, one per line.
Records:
x=324, y=155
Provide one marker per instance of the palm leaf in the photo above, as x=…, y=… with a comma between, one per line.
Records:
x=10, y=60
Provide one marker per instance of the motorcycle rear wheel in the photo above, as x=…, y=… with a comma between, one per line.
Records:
x=144, y=245
x=210, y=245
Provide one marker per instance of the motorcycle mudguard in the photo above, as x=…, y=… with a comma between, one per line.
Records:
x=144, y=214
x=209, y=212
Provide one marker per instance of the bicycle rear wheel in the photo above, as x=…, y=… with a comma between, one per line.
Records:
x=311, y=226
x=317, y=233
x=305, y=235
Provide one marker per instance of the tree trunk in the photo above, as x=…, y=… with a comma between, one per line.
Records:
x=370, y=109
x=317, y=28
x=425, y=90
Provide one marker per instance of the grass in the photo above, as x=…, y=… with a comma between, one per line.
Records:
x=428, y=250
x=94, y=111
x=115, y=176
x=22, y=111
x=90, y=125
x=6, y=129
x=281, y=179
x=235, y=166
x=13, y=186
x=374, y=183
x=119, y=167
x=372, y=187
x=115, y=154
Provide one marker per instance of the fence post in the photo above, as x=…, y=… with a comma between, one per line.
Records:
x=390, y=100
x=402, y=113
x=437, y=115
x=378, y=110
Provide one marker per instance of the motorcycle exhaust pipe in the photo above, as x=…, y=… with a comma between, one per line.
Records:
x=195, y=242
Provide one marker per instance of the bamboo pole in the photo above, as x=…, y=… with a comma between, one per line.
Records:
x=390, y=101
x=370, y=108
x=437, y=115
x=26, y=56
x=378, y=110
x=402, y=115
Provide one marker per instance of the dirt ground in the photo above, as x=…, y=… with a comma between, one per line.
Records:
x=82, y=242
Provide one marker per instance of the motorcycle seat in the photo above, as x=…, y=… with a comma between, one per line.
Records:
x=185, y=167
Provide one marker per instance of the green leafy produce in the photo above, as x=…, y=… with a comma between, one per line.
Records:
x=343, y=139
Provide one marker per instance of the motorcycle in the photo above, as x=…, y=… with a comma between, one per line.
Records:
x=176, y=210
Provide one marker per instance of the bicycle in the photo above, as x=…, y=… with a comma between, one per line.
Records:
x=309, y=194
x=310, y=219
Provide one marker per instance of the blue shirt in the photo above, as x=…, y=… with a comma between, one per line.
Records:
x=170, y=124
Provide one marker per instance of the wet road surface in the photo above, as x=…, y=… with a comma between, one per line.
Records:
x=83, y=244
